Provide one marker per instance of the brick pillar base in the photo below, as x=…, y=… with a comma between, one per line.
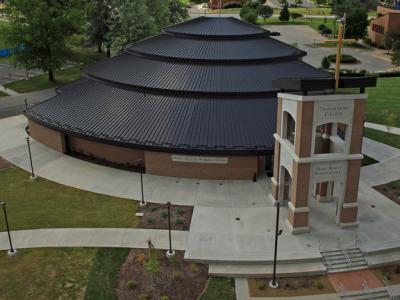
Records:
x=274, y=196
x=297, y=220
x=348, y=215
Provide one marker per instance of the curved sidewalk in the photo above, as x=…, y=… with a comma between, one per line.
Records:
x=84, y=175
x=93, y=237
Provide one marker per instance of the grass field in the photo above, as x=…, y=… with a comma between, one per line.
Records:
x=220, y=288
x=315, y=11
x=45, y=204
x=312, y=22
x=103, y=276
x=81, y=56
x=386, y=96
x=60, y=273
x=382, y=137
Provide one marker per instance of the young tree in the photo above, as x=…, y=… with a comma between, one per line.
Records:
x=99, y=22
x=357, y=23
x=130, y=22
x=42, y=27
x=249, y=14
x=284, y=14
x=178, y=11
x=295, y=15
x=390, y=119
x=396, y=52
x=388, y=41
x=265, y=11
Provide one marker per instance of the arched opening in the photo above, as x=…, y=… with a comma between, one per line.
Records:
x=289, y=127
x=330, y=138
x=286, y=188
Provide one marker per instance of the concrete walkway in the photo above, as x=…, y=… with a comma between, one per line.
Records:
x=93, y=237
x=379, y=151
x=84, y=175
x=394, y=130
x=8, y=91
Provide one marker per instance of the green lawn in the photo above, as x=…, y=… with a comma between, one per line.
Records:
x=383, y=137
x=315, y=11
x=41, y=82
x=82, y=56
x=103, y=275
x=313, y=22
x=220, y=288
x=45, y=204
x=3, y=94
x=52, y=273
x=385, y=96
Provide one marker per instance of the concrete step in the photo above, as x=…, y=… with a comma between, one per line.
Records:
x=266, y=270
x=344, y=261
x=378, y=293
x=339, y=256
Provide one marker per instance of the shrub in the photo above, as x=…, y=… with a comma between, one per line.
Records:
x=261, y=285
x=131, y=285
x=164, y=214
x=144, y=297
x=140, y=258
x=232, y=4
x=153, y=208
x=346, y=58
x=325, y=63
x=179, y=221
x=179, y=211
x=321, y=27
x=150, y=219
x=249, y=14
x=326, y=31
x=193, y=268
x=164, y=298
x=284, y=14
x=265, y=11
x=320, y=285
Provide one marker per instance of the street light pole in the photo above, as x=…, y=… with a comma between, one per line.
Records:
x=170, y=252
x=11, y=251
x=33, y=176
x=141, y=167
x=273, y=283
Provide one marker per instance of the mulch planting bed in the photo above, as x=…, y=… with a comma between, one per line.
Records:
x=390, y=191
x=176, y=279
x=4, y=164
x=392, y=273
x=156, y=216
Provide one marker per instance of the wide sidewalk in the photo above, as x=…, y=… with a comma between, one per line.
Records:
x=94, y=237
x=83, y=175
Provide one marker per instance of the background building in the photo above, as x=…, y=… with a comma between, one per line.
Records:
x=387, y=22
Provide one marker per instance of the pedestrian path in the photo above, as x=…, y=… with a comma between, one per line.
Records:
x=93, y=237
x=8, y=91
x=394, y=130
x=379, y=151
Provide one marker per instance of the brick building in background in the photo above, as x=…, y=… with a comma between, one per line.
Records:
x=386, y=22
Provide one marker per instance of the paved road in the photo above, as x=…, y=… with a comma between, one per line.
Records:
x=8, y=72
x=304, y=37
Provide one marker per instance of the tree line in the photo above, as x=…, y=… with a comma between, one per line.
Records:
x=43, y=28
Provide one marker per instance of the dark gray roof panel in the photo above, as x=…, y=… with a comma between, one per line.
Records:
x=166, y=46
x=223, y=27
x=130, y=70
x=120, y=116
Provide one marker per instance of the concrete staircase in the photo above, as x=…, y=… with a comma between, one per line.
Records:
x=377, y=293
x=344, y=260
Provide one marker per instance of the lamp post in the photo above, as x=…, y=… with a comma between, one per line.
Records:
x=33, y=176
x=170, y=252
x=11, y=251
x=141, y=167
x=273, y=283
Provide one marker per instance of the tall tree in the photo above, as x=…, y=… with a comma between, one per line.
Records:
x=159, y=10
x=130, y=22
x=41, y=27
x=356, y=23
x=178, y=11
x=99, y=22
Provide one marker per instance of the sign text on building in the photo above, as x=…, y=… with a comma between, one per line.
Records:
x=199, y=159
